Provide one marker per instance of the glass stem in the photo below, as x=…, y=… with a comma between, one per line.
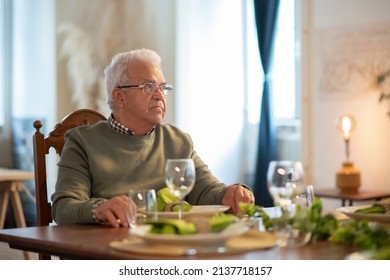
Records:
x=180, y=207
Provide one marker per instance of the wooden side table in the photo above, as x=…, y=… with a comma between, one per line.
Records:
x=11, y=184
x=350, y=198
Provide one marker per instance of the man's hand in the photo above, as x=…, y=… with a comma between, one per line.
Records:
x=234, y=195
x=116, y=211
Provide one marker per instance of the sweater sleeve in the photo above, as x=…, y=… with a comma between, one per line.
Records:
x=71, y=199
x=207, y=189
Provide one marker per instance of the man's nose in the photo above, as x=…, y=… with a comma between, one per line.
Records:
x=158, y=94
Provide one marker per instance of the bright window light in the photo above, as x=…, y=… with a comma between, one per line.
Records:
x=283, y=76
x=2, y=56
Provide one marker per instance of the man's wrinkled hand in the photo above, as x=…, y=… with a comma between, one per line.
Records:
x=116, y=211
x=234, y=195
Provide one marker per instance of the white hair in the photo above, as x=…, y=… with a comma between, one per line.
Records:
x=116, y=72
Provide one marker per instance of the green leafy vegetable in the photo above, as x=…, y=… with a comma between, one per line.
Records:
x=167, y=201
x=219, y=222
x=171, y=226
x=382, y=254
x=361, y=234
x=372, y=209
x=250, y=209
x=215, y=224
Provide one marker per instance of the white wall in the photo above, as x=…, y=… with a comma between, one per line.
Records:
x=323, y=147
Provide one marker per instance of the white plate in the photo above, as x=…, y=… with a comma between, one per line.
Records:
x=197, y=210
x=350, y=212
x=201, y=239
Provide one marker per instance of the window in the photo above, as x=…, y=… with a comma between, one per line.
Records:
x=5, y=48
x=283, y=84
x=2, y=58
x=283, y=73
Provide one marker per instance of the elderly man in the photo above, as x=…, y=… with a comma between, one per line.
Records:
x=101, y=163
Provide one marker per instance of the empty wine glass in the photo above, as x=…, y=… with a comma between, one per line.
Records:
x=304, y=198
x=180, y=178
x=284, y=179
x=146, y=202
x=286, y=186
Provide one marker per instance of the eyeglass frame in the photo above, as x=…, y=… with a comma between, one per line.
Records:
x=163, y=88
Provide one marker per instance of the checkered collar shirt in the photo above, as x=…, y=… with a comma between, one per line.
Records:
x=123, y=129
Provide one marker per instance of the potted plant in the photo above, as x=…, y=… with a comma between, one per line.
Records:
x=383, y=86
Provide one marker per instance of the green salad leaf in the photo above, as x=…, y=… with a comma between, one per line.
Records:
x=168, y=202
x=215, y=224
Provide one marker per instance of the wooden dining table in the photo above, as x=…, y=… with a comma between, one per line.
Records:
x=11, y=184
x=93, y=242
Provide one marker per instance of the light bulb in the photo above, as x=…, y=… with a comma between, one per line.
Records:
x=346, y=124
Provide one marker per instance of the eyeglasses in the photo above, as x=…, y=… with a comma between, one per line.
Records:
x=150, y=88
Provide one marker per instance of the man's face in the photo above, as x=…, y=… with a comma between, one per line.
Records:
x=141, y=108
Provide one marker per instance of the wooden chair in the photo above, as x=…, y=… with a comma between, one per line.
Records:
x=41, y=147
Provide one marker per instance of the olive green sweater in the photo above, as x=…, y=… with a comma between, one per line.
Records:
x=98, y=163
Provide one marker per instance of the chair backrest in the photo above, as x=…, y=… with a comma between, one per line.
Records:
x=41, y=147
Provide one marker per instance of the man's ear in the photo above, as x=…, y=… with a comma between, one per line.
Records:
x=117, y=96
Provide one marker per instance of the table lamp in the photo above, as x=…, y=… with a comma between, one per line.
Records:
x=347, y=177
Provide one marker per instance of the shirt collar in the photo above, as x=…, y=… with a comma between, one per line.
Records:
x=122, y=128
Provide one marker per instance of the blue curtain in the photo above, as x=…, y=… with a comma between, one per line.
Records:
x=266, y=12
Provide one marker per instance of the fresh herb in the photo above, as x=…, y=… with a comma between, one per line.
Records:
x=361, y=234
x=381, y=254
x=384, y=94
x=251, y=210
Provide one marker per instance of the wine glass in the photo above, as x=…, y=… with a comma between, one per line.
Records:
x=285, y=184
x=180, y=178
x=304, y=198
x=146, y=202
x=284, y=180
